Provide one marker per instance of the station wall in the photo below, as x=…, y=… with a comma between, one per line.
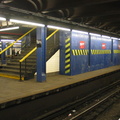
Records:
x=87, y=52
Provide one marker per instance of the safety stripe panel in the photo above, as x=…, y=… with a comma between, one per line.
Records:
x=94, y=52
x=116, y=51
x=67, y=56
x=79, y=52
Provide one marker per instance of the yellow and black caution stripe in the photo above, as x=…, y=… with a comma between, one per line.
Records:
x=94, y=52
x=80, y=52
x=67, y=56
x=116, y=51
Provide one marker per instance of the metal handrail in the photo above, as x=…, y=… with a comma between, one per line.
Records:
x=26, y=56
x=17, y=40
x=33, y=50
x=52, y=34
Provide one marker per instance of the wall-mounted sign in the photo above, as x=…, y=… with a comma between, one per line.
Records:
x=82, y=44
x=119, y=46
x=103, y=45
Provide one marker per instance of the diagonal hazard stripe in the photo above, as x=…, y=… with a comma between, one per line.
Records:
x=67, y=56
x=67, y=71
x=67, y=66
x=67, y=61
x=68, y=45
x=67, y=50
x=67, y=40
x=73, y=52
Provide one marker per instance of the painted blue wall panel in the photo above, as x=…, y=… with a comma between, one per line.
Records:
x=107, y=55
x=96, y=60
x=79, y=57
x=116, y=52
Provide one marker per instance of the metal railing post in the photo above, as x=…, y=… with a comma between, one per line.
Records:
x=25, y=67
x=20, y=73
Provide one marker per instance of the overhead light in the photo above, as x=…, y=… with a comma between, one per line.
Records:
x=7, y=40
x=104, y=36
x=17, y=43
x=95, y=34
x=2, y=18
x=114, y=38
x=6, y=1
x=57, y=27
x=27, y=22
x=9, y=28
x=82, y=32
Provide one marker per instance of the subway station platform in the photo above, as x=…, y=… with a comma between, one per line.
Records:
x=11, y=89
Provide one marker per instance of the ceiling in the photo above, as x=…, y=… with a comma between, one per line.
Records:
x=101, y=14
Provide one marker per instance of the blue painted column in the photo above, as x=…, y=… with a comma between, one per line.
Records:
x=41, y=54
x=3, y=57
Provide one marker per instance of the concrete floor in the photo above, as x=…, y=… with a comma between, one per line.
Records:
x=11, y=89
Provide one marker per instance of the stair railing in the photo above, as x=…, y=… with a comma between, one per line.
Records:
x=16, y=41
x=28, y=54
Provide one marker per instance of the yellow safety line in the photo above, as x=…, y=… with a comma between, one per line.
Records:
x=17, y=40
x=28, y=54
x=9, y=76
x=52, y=34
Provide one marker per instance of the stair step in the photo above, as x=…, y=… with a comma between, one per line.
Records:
x=15, y=71
x=12, y=68
x=18, y=64
x=16, y=67
x=27, y=60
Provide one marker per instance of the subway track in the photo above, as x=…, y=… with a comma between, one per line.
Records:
x=58, y=103
x=93, y=111
x=89, y=107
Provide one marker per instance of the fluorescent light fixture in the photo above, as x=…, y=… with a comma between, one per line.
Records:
x=9, y=28
x=17, y=43
x=104, y=36
x=95, y=34
x=114, y=38
x=2, y=18
x=27, y=22
x=82, y=32
x=7, y=40
x=57, y=27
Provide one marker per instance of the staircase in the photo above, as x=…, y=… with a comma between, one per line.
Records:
x=28, y=67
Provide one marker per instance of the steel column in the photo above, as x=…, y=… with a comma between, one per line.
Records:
x=3, y=57
x=41, y=54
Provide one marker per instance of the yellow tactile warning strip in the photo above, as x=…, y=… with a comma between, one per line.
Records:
x=67, y=56
x=79, y=52
x=94, y=52
x=10, y=76
x=116, y=51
